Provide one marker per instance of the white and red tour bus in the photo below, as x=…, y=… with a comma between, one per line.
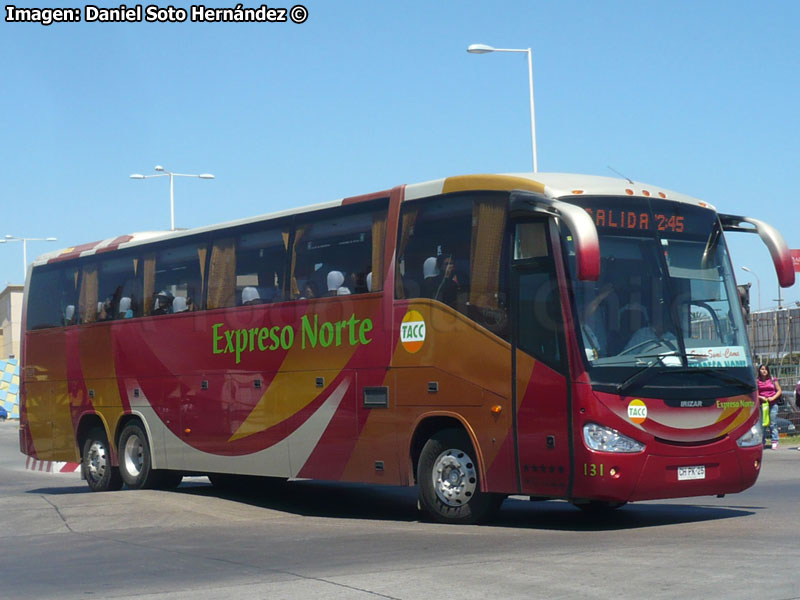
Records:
x=550, y=335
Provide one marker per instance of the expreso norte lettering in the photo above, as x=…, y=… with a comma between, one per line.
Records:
x=351, y=331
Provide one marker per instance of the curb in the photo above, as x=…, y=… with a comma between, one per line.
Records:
x=49, y=466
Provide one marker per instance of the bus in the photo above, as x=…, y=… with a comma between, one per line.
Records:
x=546, y=335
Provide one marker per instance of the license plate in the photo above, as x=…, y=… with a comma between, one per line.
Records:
x=689, y=473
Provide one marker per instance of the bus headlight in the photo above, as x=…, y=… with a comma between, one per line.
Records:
x=605, y=439
x=753, y=437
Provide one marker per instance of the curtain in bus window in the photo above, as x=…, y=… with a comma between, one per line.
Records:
x=88, y=297
x=222, y=274
x=488, y=227
x=378, y=239
x=202, y=252
x=149, y=274
x=298, y=235
x=407, y=225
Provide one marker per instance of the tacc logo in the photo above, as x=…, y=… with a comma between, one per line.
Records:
x=412, y=331
x=637, y=411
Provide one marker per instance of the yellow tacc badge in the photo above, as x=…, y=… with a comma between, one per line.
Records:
x=637, y=411
x=412, y=331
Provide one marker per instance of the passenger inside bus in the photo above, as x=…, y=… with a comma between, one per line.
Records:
x=442, y=285
x=163, y=303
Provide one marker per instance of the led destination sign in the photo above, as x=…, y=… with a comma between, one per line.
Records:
x=614, y=218
x=651, y=215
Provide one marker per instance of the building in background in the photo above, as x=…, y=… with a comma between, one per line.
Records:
x=10, y=330
x=10, y=321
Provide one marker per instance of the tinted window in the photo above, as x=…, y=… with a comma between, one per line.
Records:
x=260, y=265
x=178, y=279
x=341, y=254
x=52, y=297
x=452, y=249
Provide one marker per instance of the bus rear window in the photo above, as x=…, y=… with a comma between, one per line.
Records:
x=52, y=297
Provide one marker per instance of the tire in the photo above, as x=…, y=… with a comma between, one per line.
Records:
x=135, y=464
x=96, y=467
x=449, y=482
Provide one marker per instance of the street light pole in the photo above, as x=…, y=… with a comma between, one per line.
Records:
x=758, y=281
x=164, y=173
x=484, y=49
x=24, y=240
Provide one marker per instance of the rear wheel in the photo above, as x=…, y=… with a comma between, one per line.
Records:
x=136, y=465
x=449, y=482
x=100, y=474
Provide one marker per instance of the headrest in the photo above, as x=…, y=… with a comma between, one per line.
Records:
x=429, y=267
x=249, y=294
x=335, y=280
x=69, y=312
x=179, y=304
x=124, y=304
x=343, y=291
x=369, y=281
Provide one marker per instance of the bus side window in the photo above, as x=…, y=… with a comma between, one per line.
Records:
x=452, y=249
x=117, y=288
x=260, y=265
x=177, y=279
x=341, y=254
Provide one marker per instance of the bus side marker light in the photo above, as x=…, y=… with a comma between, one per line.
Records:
x=497, y=409
x=629, y=191
x=187, y=430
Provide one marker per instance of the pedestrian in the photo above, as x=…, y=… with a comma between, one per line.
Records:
x=769, y=390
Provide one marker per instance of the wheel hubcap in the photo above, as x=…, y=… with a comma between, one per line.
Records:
x=133, y=455
x=97, y=461
x=454, y=477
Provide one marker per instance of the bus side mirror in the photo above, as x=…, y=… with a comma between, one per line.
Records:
x=778, y=249
x=577, y=220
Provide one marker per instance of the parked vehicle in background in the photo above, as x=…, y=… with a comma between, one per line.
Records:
x=3, y=414
x=785, y=426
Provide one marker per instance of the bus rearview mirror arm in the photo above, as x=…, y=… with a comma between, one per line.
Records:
x=580, y=224
x=778, y=249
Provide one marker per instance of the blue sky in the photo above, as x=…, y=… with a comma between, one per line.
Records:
x=366, y=95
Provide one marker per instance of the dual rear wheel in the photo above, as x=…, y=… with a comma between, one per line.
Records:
x=135, y=464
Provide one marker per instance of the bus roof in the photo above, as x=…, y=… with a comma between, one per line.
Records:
x=554, y=185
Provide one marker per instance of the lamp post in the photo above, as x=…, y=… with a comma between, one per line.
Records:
x=484, y=49
x=164, y=173
x=24, y=240
x=758, y=281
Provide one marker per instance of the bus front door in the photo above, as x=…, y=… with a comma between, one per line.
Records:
x=539, y=365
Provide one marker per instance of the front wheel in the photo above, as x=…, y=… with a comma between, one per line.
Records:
x=100, y=474
x=449, y=482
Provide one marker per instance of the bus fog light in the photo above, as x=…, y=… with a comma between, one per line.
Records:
x=605, y=439
x=753, y=436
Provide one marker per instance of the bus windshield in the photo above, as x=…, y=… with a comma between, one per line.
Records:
x=666, y=300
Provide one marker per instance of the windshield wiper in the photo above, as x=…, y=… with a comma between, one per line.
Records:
x=726, y=377
x=630, y=381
